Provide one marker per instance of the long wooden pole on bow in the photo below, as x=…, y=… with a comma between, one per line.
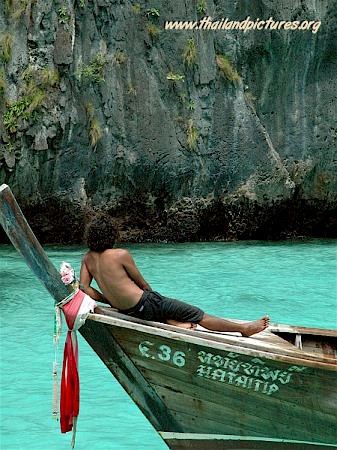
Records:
x=24, y=240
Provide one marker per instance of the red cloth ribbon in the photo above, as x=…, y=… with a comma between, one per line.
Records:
x=70, y=386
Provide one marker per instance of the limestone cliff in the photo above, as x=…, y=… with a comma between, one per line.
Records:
x=181, y=134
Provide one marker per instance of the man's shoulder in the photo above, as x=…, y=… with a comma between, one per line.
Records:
x=109, y=254
x=86, y=256
x=115, y=253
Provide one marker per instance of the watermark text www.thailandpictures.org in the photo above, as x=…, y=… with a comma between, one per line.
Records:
x=207, y=23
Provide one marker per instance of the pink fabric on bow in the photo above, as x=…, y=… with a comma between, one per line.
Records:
x=75, y=312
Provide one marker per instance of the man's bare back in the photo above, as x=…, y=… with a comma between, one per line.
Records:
x=123, y=286
x=117, y=276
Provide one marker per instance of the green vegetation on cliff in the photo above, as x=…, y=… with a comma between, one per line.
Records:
x=182, y=134
x=6, y=47
x=226, y=68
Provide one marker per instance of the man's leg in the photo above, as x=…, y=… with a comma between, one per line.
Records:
x=246, y=329
x=186, y=325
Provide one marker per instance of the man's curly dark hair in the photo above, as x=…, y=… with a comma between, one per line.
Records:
x=101, y=233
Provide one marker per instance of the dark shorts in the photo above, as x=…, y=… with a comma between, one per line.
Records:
x=156, y=307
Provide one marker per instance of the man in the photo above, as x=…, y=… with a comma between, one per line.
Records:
x=124, y=288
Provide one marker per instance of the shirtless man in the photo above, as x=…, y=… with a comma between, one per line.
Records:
x=124, y=288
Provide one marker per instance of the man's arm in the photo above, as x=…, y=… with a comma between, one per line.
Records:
x=132, y=270
x=85, y=280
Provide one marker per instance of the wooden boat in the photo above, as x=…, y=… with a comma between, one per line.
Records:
x=201, y=389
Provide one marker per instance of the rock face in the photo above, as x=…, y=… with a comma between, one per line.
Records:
x=181, y=134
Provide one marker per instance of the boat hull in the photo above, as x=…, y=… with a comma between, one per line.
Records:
x=188, y=441
x=213, y=388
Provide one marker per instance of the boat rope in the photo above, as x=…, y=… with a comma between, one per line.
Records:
x=56, y=338
x=66, y=299
x=55, y=413
x=76, y=308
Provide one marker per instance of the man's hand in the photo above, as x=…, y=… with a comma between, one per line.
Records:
x=95, y=294
x=147, y=287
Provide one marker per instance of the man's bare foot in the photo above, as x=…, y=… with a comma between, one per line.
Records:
x=255, y=327
x=186, y=325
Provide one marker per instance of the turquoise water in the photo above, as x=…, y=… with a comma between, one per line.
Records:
x=293, y=282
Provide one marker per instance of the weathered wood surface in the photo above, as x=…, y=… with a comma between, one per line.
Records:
x=261, y=344
x=199, y=441
x=24, y=240
x=291, y=329
x=302, y=406
x=121, y=366
x=229, y=392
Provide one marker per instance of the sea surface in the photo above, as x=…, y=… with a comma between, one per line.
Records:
x=295, y=282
